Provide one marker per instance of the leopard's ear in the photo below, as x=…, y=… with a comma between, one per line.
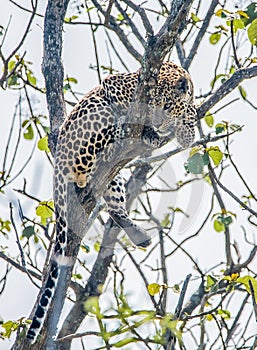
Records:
x=184, y=87
x=182, y=84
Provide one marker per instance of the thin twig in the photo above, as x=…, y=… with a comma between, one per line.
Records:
x=182, y=297
x=130, y=23
x=116, y=51
x=238, y=64
x=19, y=267
x=253, y=294
x=23, y=261
x=225, y=189
x=25, y=9
x=78, y=335
x=200, y=34
x=113, y=25
x=33, y=13
x=95, y=44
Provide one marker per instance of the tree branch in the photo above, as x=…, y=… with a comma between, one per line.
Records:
x=113, y=25
x=228, y=86
x=52, y=66
x=188, y=60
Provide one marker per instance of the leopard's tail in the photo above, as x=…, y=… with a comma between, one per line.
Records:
x=49, y=287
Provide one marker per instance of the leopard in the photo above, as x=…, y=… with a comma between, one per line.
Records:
x=87, y=137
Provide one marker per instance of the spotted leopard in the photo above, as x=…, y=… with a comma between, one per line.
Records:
x=93, y=126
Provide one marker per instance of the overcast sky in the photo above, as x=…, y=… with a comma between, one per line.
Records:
x=19, y=296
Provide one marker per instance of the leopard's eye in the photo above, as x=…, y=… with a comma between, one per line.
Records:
x=166, y=106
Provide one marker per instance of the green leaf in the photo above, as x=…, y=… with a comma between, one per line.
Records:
x=43, y=144
x=45, y=210
x=5, y=226
x=92, y=305
x=219, y=128
x=28, y=132
x=242, y=14
x=238, y=24
x=207, y=179
x=218, y=226
x=97, y=246
x=235, y=127
x=227, y=220
x=11, y=65
x=71, y=80
x=178, y=210
x=209, y=317
x=209, y=119
x=28, y=232
x=85, y=248
x=215, y=154
x=225, y=314
x=195, y=150
x=31, y=79
x=211, y=282
x=166, y=221
x=90, y=8
x=2, y=30
x=245, y=281
x=153, y=288
x=77, y=276
x=9, y=327
x=206, y=159
x=124, y=342
x=194, y=18
x=222, y=13
x=195, y=164
x=176, y=288
x=13, y=80
x=70, y=19
x=242, y=92
x=216, y=78
x=215, y=37
x=120, y=17
x=168, y=323
x=252, y=32
x=251, y=12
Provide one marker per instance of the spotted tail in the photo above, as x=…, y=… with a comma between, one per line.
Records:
x=48, y=289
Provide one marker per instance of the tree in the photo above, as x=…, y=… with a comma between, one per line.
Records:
x=212, y=301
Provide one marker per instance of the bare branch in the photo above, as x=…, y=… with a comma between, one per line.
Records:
x=113, y=25
x=238, y=64
x=25, y=9
x=95, y=44
x=228, y=86
x=131, y=24
x=19, y=267
x=182, y=296
x=19, y=245
x=232, y=194
x=188, y=60
x=253, y=293
x=140, y=10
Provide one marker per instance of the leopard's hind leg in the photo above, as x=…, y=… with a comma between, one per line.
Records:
x=115, y=197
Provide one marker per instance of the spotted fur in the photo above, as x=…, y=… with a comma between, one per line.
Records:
x=94, y=126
